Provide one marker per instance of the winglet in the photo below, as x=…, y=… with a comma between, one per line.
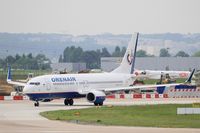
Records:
x=190, y=77
x=9, y=76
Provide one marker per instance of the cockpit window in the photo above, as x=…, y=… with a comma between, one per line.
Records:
x=34, y=83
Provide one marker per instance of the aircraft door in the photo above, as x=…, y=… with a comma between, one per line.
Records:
x=86, y=86
x=48, y=88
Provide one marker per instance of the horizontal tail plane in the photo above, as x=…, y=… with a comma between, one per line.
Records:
x=9, y=79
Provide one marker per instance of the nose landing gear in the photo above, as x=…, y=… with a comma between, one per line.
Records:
x=68, y=101
x=36, y=104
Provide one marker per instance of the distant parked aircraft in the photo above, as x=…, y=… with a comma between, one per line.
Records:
x=155, y=74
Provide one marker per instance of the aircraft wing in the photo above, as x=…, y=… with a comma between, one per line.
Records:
x=16, y=83
x=139, y=87
x=9, y=81
x=135, y=87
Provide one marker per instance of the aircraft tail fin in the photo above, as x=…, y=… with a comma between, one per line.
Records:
x=128, y=62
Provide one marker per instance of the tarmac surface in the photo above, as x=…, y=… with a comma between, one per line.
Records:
x=23, y=117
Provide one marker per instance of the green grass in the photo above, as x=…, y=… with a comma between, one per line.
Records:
x=143, y=115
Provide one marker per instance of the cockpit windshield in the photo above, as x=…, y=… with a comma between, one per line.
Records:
x=34, y=83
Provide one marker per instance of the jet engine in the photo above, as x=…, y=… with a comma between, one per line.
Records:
x=96, y=97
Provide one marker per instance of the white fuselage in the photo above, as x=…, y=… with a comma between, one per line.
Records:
x=56, y=85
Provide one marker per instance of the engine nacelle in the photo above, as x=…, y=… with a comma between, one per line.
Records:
x=96, y=97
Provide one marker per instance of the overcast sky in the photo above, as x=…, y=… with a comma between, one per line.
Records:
x=100, y=16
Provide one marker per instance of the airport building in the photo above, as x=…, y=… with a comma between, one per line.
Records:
x=68, y=67
x=154, y=63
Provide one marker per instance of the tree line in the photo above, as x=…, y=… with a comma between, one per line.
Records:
x=92, y=57
x=39, y=62
x=77, y=54
x=165, y=53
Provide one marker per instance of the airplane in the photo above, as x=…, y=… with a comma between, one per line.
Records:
x=92, y=86
x=155, y=74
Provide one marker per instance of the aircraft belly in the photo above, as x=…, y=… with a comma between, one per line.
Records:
x=53, y=95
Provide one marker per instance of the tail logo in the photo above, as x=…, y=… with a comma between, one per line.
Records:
x=129, y=58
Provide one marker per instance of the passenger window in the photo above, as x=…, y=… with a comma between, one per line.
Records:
x=31, y=83
x=37, y=83
x=34, y=83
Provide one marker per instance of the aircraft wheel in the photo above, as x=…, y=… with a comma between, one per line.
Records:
x=36, y=104
x=71, y=102
x=98, y=104
x=66, y=102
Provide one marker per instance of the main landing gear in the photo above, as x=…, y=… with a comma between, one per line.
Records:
x=36, y=104
x=68, y=101
x=98, y=104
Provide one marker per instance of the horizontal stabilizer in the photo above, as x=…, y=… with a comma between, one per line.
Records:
x=9, y=79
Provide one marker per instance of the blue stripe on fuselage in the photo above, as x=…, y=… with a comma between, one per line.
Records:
x=40, y=96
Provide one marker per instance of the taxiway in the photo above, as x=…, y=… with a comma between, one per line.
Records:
x=23, y=117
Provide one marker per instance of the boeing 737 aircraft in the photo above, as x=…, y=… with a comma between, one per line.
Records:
x=93, y=86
